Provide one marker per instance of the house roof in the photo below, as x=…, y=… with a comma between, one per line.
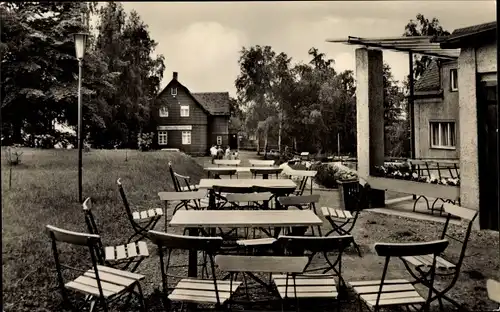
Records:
x=424, y=45
x=216, y=103
x=429, y=81
x=457, y=38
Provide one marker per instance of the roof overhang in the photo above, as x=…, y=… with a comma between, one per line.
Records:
x=469, y=39
x=424, y=45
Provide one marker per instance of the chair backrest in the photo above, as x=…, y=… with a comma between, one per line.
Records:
x=124, y=199
x=248, y=197
x=316, y=244
x=468, y=216
x=182, y=242
x=299, y=201
x=399, y=250
x=232, y=189
x=261, y=163
x=493, y=288
x=277, y=191
x=411, y=249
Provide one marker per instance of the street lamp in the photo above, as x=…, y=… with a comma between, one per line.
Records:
x=80, y=43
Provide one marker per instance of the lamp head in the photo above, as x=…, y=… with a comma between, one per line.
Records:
x=80, y=44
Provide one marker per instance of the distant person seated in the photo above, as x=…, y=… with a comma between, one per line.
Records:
x=228, y=153
x=235, y=155
x=213, y=153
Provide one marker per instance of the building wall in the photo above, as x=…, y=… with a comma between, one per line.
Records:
x=218, y=126
x=437, y=109
x=198, y=119
x=471, y=62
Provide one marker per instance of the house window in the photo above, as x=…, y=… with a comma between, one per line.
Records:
x=186, y=137
x=173, y=91
x=164, y=111
x=219, y=140
x=442, y=135
x=184, y=111
x=162, y=137
x=454, y=79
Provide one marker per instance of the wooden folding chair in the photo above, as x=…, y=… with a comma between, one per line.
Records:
x=385, y=293
x=115, y=256
x=446, y=265
x=142, y=221
x=301, y=202
x=176, y=179
x=103, y=283
x=308, y=285
x=191, y=289
x=343, y=221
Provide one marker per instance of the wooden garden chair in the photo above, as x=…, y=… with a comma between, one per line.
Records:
x=101, y=283
x=305, y=177
x=301, y=202
x=276, y=192
x=390, y=293
x=493, y=288
x=343, y=221
x=309, y=285
x=141, y=221
x=191, y=289
x=182, y=184
x=177, y=178
x=447, y=266
x=121, y=256
x=265, y=173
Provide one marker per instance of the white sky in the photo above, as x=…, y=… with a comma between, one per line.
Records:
x=202, y=40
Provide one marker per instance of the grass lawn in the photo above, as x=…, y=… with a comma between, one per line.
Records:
x=44, y=191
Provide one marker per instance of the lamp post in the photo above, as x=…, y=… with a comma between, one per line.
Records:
x=80, y=43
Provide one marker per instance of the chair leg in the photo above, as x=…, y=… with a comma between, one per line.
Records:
x=141, y=298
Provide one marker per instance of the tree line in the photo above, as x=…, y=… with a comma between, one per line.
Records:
x=39, y=72
x=312, y=107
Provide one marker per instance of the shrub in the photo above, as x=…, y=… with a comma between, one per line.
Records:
x=13, y=155
x=145, y=141
x=328, y=175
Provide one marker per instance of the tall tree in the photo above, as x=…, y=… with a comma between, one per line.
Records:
x=253, y=87
x=423, y=27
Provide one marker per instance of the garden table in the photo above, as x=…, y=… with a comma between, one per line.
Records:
x=299, y=220
x=265, y=171
x=249, y=183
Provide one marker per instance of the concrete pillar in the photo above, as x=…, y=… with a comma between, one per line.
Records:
x=468, y=130
x=370, y=115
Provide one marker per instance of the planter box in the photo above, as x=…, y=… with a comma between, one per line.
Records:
x=349, y=190
x=418, y=188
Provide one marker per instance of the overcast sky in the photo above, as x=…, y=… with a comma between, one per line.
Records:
x=202, y=40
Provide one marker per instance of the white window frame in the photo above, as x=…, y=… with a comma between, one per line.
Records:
x=453, y=82
x=185, y=108
x=219, y=140
x=441, y=125
x=173, y=91
x=186, y=137
x=162, y=134
x=163, y=112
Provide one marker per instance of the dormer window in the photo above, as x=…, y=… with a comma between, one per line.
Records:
x=454, y=79
x=164, y=111
x=173, y=91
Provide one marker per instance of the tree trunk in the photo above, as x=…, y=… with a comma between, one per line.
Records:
x=265, y=143
x=279, y=136
x=258, y=143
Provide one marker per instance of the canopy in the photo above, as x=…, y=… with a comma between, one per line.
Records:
x=424, y=45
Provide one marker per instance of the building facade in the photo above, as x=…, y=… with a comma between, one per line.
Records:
x=436, y=112
x=190, y=122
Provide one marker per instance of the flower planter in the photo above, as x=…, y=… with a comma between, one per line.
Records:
x=349, y=190
x=418, y=188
